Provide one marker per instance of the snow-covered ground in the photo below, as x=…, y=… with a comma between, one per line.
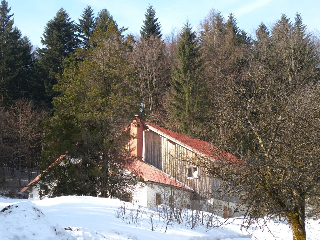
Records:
x=85, y=218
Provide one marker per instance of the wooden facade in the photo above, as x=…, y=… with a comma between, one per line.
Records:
x=177, y=161
x=164, y=150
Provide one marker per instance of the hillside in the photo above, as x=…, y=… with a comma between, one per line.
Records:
x=85, y=218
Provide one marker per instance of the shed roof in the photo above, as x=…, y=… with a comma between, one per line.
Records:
x=193, y=144
x=39, y=176
x=150, y=173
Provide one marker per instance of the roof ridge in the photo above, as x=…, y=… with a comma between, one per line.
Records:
x=196, y=145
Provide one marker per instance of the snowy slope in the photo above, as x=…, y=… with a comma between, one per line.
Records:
x=26, y=221
x=85, y=218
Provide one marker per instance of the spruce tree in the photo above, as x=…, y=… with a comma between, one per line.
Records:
x=59, y=40
x=153, y=68
x=86, y=26
x=151, y=26
x=15, y=60
x=185, y=97
x=263, y=42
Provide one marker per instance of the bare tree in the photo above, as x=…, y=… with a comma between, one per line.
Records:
x=269, y=122
x=23, y=136
x=225, y=52
x=153, y=73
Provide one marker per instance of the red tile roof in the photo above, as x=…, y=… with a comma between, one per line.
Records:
x=151, y=174
x=38, y=177
x=193, y=144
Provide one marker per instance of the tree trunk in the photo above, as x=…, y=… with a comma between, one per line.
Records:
x=2, y=174
x=297, y=226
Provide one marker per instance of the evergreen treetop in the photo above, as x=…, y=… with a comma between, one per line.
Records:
x=60, y=34
x=105, y=20
x=15, y=59
x=5, y=17
x=59, y=40
x=86, y=26
x=151, y=26
x=187, y=87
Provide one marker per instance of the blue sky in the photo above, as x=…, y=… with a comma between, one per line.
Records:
x=31, y=16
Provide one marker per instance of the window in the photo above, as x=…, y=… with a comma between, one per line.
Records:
x=158, y=199
x=127, y=197
x=192, y=172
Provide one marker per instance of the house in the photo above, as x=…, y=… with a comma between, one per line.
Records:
x=159, y=150
x=33, y=188
x=168, y=164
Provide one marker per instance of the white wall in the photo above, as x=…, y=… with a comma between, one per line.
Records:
x=34, y=192
x=139, y=195
x=145, y=195
x=226, y=209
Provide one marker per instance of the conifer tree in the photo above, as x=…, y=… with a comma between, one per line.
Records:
x=233, y=31
x=294, y=52
x=59, y=40
x=86, y=26
x=3, y=153
x=263, y=42
x=96, y=103
x=151, y=26
x=15, y=59
x=105, y=21
x=185, y=96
